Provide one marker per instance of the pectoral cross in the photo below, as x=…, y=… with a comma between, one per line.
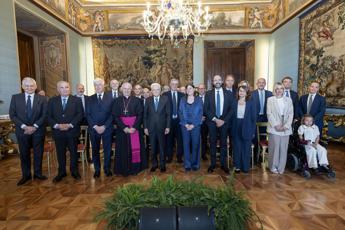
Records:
x=125, y=111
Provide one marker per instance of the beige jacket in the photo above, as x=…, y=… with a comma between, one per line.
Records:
x=275, y=118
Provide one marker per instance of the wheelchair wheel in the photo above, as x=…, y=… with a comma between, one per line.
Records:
x=306, y=174
x=292, y=162
x=331, y=174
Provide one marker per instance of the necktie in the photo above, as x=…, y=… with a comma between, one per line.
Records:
x=174, y=104
x=64, y=104
x=287, y=93
x=261, y=102
x=156, y=104
x=28, y=107
x=218, y=104
x=310, y=102
x=99, y=98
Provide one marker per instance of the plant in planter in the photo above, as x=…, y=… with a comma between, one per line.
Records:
x=232, y=210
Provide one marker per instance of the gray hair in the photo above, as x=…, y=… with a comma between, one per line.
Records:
x=28, y=79
x=97, y=81
x=155, y=85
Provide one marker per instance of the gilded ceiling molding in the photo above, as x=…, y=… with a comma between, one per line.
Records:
x=98, y=18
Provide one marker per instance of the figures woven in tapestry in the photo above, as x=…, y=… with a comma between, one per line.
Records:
x=142, y=61
x=322, y=51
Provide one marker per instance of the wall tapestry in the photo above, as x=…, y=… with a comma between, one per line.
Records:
x=53, y=62
x=142, y=60
x=322, y=51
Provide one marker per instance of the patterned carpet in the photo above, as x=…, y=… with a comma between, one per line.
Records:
x=281, y=201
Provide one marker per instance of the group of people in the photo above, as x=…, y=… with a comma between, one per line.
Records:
x=149, y=125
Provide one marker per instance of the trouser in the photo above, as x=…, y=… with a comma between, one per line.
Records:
x=63, y=143
x=277, y=152
x=96, y=145
x=191, y=147
x=320, y=153
x=26, y=142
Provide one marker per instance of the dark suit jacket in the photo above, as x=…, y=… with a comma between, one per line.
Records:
x=317, y=110
x=210, y=106
x=73, y=114
x=18, y=113
x=169, y=96
x=255, y=97
x=294, y=98
x=232, y=93
x=100, y=114
x=249, y=120
x=110, y=93
x=160, y=120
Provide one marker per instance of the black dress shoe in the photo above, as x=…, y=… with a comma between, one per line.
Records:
x=40, y=177
x=179, y=160
x=96, y=174
x=225, y=169
x=153, y=169
x=163, y=169
x=204, y=158
x=237, y=170
x=169, y=160
x=211, y=169
x=108, y=173
x=76, y=175
x=23, y=180
x=89, y=160
x=58, y=178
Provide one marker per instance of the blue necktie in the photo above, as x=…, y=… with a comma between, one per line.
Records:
x=218, y=105
x=286, y=93
x=64, y=104
x=261, y=102
x=28, y=107
x=156, y=104
x=174, y=104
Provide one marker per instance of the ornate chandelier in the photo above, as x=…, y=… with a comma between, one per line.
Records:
x=176, y=18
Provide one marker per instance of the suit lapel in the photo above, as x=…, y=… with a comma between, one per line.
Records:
x=34, y=105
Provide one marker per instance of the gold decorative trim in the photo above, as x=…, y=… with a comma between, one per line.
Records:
x=338, y=120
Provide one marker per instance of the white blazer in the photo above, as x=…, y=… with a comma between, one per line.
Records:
x=275, y=117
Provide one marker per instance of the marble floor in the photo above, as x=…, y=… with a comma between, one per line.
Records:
x=281, y=201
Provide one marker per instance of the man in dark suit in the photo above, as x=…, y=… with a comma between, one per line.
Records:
x=230, y=85
x=313, y=104
x=157, y=125
x=114, y=92
x=65, y=112
x=217, y=108
x=138, y=91
x=28, y=112
x=288, y=92
x=175, y=135
x=80, y=94
x=260, y=96
x=99, y=117
x=230, y=88
x=204, y=129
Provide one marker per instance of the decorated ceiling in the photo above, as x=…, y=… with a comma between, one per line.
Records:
x=123, y=17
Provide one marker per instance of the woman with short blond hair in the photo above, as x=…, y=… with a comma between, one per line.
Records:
x=280, y=116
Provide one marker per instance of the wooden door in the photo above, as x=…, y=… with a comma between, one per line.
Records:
x=26, y=56
x=225, y=61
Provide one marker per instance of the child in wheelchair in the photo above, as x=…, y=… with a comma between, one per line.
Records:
x=316, y=154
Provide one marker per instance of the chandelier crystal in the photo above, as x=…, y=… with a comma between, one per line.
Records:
x=176, y=18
